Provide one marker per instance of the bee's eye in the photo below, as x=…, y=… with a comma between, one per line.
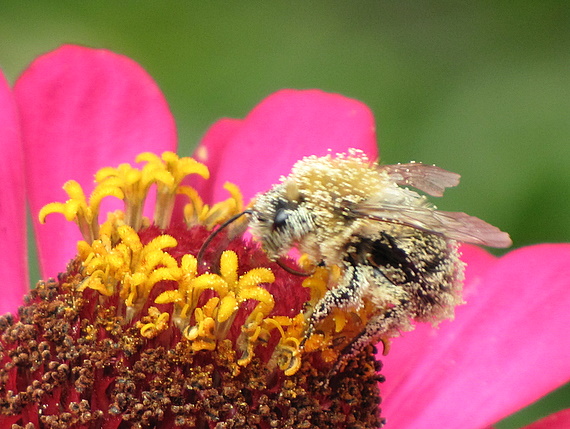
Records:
x=280, y=219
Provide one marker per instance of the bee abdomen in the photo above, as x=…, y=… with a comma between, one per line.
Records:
x=424, y=265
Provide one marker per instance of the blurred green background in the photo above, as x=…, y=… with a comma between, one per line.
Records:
x=480, y=88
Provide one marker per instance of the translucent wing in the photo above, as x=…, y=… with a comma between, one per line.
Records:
x=427, y=178
x=454, y=225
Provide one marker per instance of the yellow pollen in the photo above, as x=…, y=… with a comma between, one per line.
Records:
x=157, y=324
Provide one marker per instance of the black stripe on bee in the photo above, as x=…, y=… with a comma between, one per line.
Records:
x=419, y=262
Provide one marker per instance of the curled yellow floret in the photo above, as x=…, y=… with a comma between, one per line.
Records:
x=153, y=324
x=208, y=323
x=132, y=184
x=127, y=266
x=198, y=213
x=177, y=169
x=79, y=210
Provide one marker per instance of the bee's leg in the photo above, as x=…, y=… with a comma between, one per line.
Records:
x=376, y=327
x=385, y=323
x=348, y=293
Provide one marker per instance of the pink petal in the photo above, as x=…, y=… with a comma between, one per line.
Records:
x=283, y=128
x=409, y=350
x=83, y=109
x=559, y=420
x=211, y=152
x=14, y=267
x=506, y=348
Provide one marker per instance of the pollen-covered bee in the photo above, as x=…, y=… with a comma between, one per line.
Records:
x=393, y=246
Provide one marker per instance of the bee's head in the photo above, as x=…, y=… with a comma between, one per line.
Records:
x=280, y=221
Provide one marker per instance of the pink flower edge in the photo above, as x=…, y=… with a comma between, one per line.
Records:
x=559, y=420
x=12, y=208
x=82, y=109
x=285, y=127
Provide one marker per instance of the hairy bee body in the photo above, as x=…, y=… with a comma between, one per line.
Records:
x=393, y=247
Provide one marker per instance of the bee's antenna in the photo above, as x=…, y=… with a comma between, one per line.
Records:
x=216, y=232
x=292, y=270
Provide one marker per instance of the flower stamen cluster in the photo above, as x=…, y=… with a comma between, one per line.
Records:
x=204, y=306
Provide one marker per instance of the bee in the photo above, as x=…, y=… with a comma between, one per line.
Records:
x=394, y=248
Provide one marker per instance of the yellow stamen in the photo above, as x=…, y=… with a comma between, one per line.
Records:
x=173, y=170
x=158, y=323
x=229, y=267
x=77, y=209
x=255, y=277
x=228, y=307
x=198, y=213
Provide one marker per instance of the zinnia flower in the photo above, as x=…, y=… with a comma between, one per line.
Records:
x=81, y=110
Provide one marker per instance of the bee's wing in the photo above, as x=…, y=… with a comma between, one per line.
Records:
x=427, y=178
x=455, y=225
